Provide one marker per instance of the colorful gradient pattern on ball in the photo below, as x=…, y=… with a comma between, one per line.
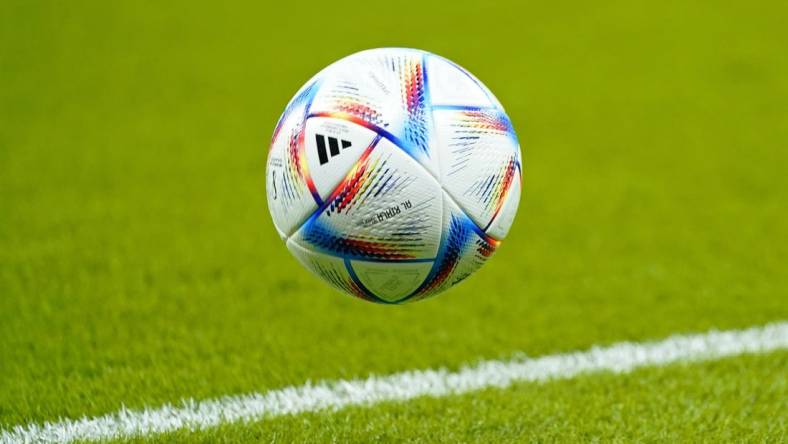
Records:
x=346, y=97
x=493, y=190
x=323, y=237
x=297, y=166
x=500, y=190
x=461, y=237
x=356, y=183
x=486, y=121
x=414, y=95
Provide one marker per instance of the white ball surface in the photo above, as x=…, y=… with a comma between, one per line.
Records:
x=393, y=174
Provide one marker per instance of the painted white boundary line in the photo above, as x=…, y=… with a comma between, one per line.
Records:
x=197, y=415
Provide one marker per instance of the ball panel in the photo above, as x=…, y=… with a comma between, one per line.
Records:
x=331, y=269
x=480, y=158
x=386, y=208
x=464, y=249
x=391, y=281
x=332, y=147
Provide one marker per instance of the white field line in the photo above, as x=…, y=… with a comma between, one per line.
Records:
x=198, y=415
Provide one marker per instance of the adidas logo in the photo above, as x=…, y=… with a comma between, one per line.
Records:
x=333, y=147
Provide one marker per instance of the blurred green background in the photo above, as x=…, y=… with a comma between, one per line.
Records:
x=138, y=263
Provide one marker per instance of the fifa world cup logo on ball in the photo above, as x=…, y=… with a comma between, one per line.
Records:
x=393, y=174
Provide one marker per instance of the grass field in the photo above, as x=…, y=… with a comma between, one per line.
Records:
x=139, y=266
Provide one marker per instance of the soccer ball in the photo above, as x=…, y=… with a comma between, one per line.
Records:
x=393, y=174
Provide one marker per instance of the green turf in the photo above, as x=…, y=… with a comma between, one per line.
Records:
x=138, y=264
x=735, y=400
